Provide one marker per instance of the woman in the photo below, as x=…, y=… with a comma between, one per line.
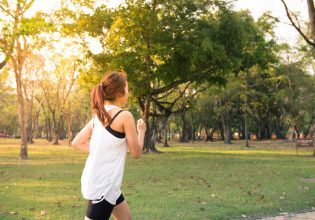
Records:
x=107, y=137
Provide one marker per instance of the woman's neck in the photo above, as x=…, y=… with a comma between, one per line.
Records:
x=113, y=103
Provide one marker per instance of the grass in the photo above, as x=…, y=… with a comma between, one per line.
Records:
x=188, y=181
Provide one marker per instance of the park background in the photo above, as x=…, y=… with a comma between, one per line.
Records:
x=226, y=92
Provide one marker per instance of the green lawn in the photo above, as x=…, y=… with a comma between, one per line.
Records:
x=187, y=181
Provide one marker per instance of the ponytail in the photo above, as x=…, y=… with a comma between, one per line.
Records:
x=112, y=85
x=97, y=102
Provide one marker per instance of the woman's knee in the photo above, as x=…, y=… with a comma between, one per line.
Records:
x=128, y=217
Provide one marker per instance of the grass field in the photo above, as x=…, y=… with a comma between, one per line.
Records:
x=187, y=181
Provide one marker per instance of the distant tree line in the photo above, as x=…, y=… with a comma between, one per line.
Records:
x=194, y=67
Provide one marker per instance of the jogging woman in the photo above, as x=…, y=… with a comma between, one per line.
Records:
x=107, y=137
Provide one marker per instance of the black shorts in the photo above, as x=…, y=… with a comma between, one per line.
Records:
x=103, y=209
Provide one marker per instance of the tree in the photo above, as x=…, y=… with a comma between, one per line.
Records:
x=163, y=45
x=57, y=85
x=16, y=44
x=32, y=67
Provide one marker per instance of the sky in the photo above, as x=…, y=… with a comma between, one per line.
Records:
x=284, y=31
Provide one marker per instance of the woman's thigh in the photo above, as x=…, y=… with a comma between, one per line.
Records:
x=101, y=210
x=122, y=211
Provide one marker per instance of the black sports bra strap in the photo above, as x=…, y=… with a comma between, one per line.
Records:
x=116, y=115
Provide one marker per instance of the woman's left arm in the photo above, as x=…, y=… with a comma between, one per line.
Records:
x=81, y=140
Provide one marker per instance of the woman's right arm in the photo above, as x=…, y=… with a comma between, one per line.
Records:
x=81, y=141
x=135, y=141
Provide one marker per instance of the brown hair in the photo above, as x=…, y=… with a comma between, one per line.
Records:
x=112, y=85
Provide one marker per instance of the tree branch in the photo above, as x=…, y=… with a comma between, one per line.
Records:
x=6, y=11
x=3, y=63
x=159, y=103
x=166, y=88
x=295, y=26
x=27, y=6
x=167, y=93
x=140, y=102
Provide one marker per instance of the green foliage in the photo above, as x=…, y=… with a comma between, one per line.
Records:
x=278, y=98
x=169, y=41
x=35, y=25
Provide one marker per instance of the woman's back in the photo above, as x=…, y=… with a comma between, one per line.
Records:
x=103, y=172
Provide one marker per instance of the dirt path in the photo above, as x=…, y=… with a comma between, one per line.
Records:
x=301, y=216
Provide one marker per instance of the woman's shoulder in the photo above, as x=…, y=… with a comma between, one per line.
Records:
x=126, y=114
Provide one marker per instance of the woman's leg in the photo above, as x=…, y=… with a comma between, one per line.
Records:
x=121, y=211
x=101, y=210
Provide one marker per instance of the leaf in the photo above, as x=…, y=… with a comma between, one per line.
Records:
x=262, y=197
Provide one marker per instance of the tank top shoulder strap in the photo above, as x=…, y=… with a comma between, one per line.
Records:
x=116, y=115
x=93, y=120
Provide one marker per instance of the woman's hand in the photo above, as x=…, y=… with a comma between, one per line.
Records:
x=141, y=126
x=135, y=141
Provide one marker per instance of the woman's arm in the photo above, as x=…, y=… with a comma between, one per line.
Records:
x=81, y=140
x=134, y=141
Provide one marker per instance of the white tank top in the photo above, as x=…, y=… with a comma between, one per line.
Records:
x=104, y=168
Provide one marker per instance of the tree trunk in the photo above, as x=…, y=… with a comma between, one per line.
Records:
x=56, y=137
x=166, y=135
x=192, y=131
x=69, y=129
x=311, y=12
x=159, y=130
x=264, y=129
x=49, y=130
x=309, y=126
x=30, y=121
x=23, y=148
x=62, y=131
x=149, y=139
x=226, y=123
x=169, y=133
x=39, y=129
x=18, y=66
x=185, y=135
x=35, y=123
x=221, y=136
x=56, y=130
x=209, y=135
x=48, y=124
